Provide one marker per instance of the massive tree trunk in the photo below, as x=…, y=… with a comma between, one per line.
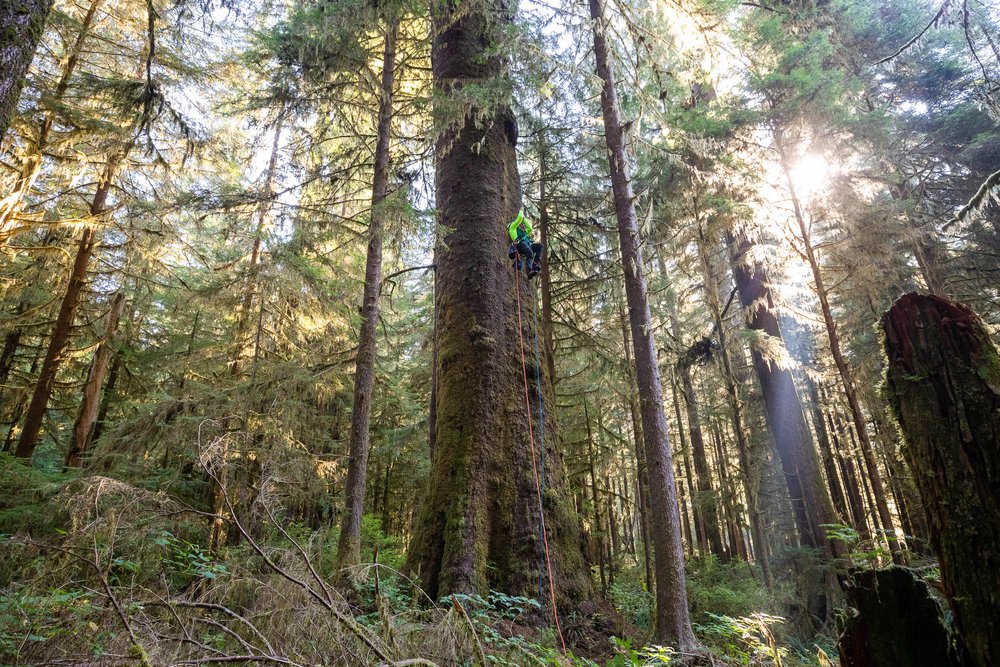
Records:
x=479, y=525
x=64, y=320
x=21, y=25
x=799, y=463
x=673, y=625
x=86, y=418
x=943, y=384
x=349, y=543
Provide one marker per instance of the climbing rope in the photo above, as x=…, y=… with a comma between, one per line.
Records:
x=541, y=418
x=531, y=438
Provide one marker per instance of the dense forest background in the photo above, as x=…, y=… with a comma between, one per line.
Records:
x=272, y=392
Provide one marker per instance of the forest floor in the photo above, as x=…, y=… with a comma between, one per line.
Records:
x=101, y=571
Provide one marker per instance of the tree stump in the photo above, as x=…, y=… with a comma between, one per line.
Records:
x=898, y=623
x=943, y=383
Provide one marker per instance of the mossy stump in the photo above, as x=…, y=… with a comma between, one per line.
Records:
x=943, y=383
x=898, y=622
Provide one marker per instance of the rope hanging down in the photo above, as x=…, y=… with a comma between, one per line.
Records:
x=531, y=438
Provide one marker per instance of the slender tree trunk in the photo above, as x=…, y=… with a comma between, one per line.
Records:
x=614, y=544
x=673, y=625
x=545, y=276
x=833, y=336
x=708, y=498
x=109, y=391
x=21, y=24
x=349, y=544
x=641, y=478
x=943, y=384
x=806, y=487
x=252, y=288
x=826, y=452
x=64, y=320
x=595, y=500
x=482, y=504
x=10, y=206
x=86, y=419
x=696, y=535
x=750, y=473
x=845, y=464
x=12, y=340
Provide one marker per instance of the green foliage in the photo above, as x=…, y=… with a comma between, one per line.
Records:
x=29, y=618
x=25, y=490
x=871, y=554
x=747, y=640
x=633, y=601
x=724, y=589
x=187, y=561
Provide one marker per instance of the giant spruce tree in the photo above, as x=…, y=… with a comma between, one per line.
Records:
x=479, y=525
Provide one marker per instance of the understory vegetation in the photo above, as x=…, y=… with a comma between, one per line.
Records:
x=476, y=332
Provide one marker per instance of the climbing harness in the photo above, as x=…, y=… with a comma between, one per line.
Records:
x=539, y=482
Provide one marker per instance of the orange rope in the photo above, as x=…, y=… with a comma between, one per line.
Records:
x=534, y=465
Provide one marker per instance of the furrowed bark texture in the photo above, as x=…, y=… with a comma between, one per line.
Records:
x=478, y=527
x=21, y=26
x=673, y=625
x=349, y=545
x=792, y=440
x=943, y=383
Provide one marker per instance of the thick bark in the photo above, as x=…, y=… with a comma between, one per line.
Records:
x=943, y=384
x=799, y=463
x=479, y=524
x=349, y=543
x=21, y=26
x=673, y=625
x=86, y=418
x=64, y=320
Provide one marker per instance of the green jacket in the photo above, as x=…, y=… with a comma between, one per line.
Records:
x=520, y=229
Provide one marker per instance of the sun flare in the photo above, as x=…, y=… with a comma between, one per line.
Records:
x=809, y=174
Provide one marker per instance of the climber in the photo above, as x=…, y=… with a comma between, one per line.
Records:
x=521, y=244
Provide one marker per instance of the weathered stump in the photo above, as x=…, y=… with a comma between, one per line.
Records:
x=898, y=623
x=943, y=383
